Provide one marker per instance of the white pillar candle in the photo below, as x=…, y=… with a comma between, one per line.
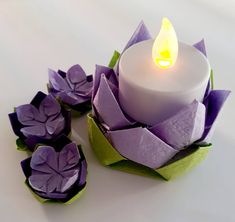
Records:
x=150, y=94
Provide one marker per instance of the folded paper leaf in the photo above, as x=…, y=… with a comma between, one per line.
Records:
x=105, y=103
x=183, y=128
x=56, y=175
x=141, y=146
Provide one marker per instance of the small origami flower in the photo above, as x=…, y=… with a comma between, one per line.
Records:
x=178, y=137
x=56, y=172
x=73, y=88
x=41, y=121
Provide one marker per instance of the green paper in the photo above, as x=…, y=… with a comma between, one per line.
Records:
x=114, y=59
x=101, y=146
x=212, y=79
x=108, y=156
x=44, y=200
x=21, y=146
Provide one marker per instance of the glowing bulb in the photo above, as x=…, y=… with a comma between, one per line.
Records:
x=165, y=46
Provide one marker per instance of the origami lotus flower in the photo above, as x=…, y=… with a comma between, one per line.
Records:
x=73, y=88
x=56, y=172
x=182, y=136
x=41, y=121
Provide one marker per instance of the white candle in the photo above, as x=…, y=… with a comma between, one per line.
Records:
x=150, y=94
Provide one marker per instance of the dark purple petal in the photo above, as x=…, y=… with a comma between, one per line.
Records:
x=16, y=125
x=201, y=46
x=83, y=173
x=57, y=82
x=214, y=103
x=38, y=98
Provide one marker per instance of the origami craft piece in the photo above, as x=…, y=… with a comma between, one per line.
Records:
x=41, y=121
x=72, y=88
x=168, y=148
x=56, y=173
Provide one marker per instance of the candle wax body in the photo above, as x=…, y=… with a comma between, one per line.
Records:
x=150, y=94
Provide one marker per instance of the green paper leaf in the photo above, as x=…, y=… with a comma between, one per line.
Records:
x=101, y=146
x=108, y=156
x=114, y=59
x=212, y=79
x=185, y=164
x=21, y=146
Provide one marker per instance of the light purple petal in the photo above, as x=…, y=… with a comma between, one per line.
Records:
x=184, y=128
x=28, y=115
x=36, y=130
x=69, y=178
x=76, y=75
x=141, y=146
x=99, y=70
x=201, y=47
x=55, y=125
x=49, y=106
x=68, y=157
x=214, y=103
x=108, y=108
x=141, y=33
x=57, y=82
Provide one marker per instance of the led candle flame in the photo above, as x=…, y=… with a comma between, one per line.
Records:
x=165, y=47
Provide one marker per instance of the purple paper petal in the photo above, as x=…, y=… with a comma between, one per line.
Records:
x=68, y=157
x=49, y=106
x=37, y=130
x=55, y=126
x=108, y=72
x=214, y=103
x=83, y=173
x=201, y=47
x=69, y=178
x=28, y=115
x=75, y=75
x=108, y=108
x=141, y=146
x=57, y=82
x=141, y=33
x=184, y=128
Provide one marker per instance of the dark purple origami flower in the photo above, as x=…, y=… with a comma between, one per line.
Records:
x=73, y=88
x=41, y=121
x=56, y=172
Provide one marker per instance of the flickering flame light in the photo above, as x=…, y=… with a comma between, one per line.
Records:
x=165, y=46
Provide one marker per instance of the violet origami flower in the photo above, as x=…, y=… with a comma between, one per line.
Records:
x=56, y=172
x=168, y=147
x=41, y=121
x=73, y=88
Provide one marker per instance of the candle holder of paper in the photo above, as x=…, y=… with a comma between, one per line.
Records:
x=164, y=150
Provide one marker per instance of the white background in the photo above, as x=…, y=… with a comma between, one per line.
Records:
x=38, y=34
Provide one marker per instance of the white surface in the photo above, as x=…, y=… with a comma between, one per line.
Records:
x=160, y=90
x=39, y=34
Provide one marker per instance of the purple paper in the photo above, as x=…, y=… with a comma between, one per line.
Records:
x=141, y=146
x=45, y=122
x=201, y=47
x=183, y=128
x=105, y=103
x=41, y=121
x=214, y=103
x=73, y=87
x=52, y=171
